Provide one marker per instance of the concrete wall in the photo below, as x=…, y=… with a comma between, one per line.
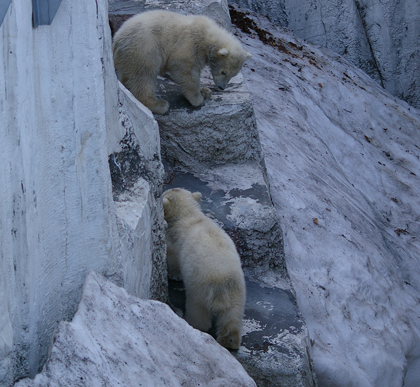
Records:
x=60, y=118
x=381, y=37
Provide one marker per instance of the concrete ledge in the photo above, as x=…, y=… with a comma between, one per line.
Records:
x=137, y=177
x=136, y=117
x=132, y=210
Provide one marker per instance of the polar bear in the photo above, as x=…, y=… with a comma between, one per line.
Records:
x=206, y=258
x=158, y=42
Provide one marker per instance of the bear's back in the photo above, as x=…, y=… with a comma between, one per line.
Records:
x=163, y=25
x=208, y=241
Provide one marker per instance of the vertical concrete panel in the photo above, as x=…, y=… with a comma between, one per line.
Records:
x=60, y=118
x=16, y=116
x=56, y=208
x=68, y=170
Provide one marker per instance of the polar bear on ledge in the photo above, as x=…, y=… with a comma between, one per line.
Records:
x=157, y=42
x=206, y=258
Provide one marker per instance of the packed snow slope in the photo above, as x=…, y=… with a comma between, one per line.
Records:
x=343, y=159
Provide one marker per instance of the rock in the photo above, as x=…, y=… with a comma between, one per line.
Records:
x=380, y=37
x=116, y=339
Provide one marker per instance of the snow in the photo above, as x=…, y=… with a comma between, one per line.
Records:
x=343, y=161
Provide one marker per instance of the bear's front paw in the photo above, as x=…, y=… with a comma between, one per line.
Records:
x=195, y=99
x=205, y=92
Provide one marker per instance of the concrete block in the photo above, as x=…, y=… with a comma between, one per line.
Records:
x=237, y=197
x=221, y=131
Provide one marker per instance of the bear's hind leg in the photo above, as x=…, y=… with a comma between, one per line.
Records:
x=143, y=88
x=197, y=315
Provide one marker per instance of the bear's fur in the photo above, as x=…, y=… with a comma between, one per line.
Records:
x=210, y=267
x=157, y=42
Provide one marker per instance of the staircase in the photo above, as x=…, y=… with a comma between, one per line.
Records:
x=215, y=149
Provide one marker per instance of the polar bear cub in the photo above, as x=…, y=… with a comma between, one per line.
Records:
x=210, y=267
x=157, y=42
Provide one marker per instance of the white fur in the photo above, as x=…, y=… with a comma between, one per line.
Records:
x=209, y=265
x=157, y=42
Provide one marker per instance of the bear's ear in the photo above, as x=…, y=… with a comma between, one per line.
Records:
x=223, y=52
x=166, y=202
x=247, y=55
x=197, y=196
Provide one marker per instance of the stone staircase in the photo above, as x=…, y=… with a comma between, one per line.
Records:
x=215, y=149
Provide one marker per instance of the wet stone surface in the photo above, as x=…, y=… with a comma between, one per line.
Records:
x=244, y=212
x=268, y=313
x=273, y=332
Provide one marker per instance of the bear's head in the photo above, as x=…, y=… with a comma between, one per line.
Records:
x=226, y=62
x=178, y=202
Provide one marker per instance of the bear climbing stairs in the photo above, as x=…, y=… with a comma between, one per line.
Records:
x=215, y=149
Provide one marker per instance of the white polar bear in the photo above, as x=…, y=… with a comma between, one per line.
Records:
x=210, y=267
x=157, y=42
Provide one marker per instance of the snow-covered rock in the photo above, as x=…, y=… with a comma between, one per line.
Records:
x=343, y=160
x=116, y=339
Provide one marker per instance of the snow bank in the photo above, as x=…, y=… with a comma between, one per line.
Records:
x=343, y=162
